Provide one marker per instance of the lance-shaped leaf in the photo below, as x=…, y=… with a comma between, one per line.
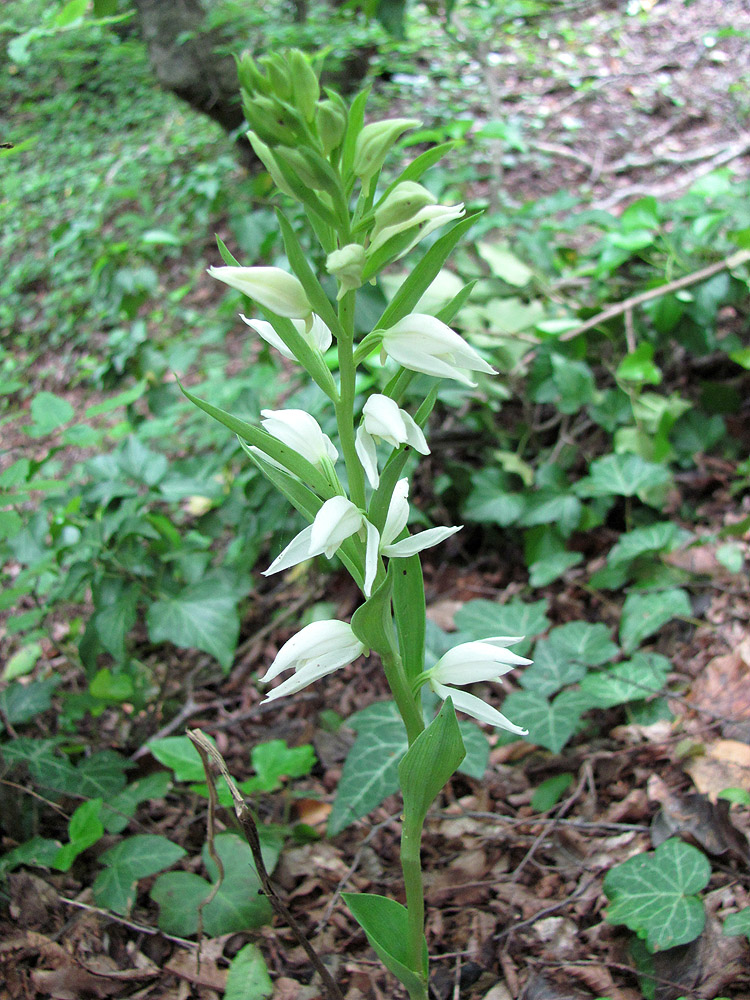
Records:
x=428, y=764
x=316, y=296
x=280, y=452
x=386, y=924
x=424, y=274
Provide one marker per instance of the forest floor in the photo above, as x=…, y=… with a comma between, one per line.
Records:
x=515, y=907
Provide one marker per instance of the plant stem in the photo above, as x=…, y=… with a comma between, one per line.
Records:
x=412, y=868
x=345, y=405
x=407, y=704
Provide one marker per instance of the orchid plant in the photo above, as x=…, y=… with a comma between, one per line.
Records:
x=353, y=492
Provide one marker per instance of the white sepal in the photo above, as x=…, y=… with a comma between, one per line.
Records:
x=270, y=287
x=476, y=708
x=318, y=650
x=301, y=432
x=425, y=344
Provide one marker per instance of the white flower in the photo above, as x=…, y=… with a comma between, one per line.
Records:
x=395, y=522
x=270, y=287
x=318, y=336
x=410, y=206
x=425, y=344
x=301, y=432
x=318, y=650
x=470, y=663
x=336, y=521
x=383, y=419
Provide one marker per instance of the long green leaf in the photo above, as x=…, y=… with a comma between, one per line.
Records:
x=423, y=274
x=316, y=296
x=266, y=442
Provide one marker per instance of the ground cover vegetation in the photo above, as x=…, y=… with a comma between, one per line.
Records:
x=603, y=482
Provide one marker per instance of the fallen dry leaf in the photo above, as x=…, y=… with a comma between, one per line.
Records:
x=725, y=764
x=723, y=687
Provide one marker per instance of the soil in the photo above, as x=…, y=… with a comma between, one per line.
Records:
x=515, y=905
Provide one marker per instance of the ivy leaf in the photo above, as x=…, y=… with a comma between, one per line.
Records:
x=582, y=642
x=654, y=894
x=662, y=537
x=633, y=680
x=371, y=769
x=550, y=724
x=644, y=614
x=132, y=859
x=738, y=923
x=237, y=905
x=623, y=476
x=247, y=978
x=202, y=616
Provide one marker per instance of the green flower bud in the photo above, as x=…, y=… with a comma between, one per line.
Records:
x=278, y=75
x=347, y=264
x=373, y=144
x=268, y=160
x=251, y=79
x=310, y=167
x=331, y=123
x=272, y=122
x=304, y=83
x=402, y=204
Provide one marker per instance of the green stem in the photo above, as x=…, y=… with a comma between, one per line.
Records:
x=411, y=837
x=345, y=405
x=408, y=706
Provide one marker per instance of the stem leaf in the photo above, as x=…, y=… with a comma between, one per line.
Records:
x=386, y=924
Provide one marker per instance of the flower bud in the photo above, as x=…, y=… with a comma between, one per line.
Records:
x=304, y=83
x=268, y=160
x=251, y=79
x=270, y=287
x=315, y=172
x=404, y=201
x=373, y=144
x=278, y=75
x=264, y=118
x=346, y=264
x=331, y=122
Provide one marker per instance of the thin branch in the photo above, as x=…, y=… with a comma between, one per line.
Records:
x=250, y=832
x=732, y=261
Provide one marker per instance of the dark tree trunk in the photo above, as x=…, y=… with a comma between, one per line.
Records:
x=192, y=69
x=207, y=80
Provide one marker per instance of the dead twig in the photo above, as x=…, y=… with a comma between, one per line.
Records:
x=250, y=832
x=727, y=264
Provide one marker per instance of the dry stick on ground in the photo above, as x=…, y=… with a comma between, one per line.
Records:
x=734, y=260
x=250, y=831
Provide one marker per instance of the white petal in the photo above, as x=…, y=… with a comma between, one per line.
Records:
x=415, y=435
x=419, y=542
x=382, y=418
x=336, y=520
x=424, y=343
x=297, y=551
x=332, y=643
x=318, y=336
x=470, y=662
x=267, y=332
x=271, y=287
x=371, y=557
x=478, y=709
x=398, y=513
x=300, y=679
x=301, y=432
x=368, y=456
